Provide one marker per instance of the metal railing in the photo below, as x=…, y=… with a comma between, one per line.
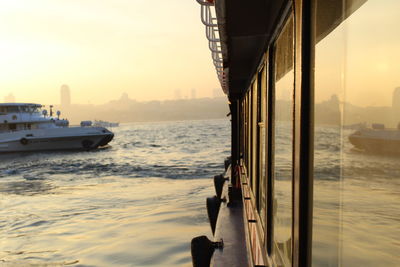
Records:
x=208, y=18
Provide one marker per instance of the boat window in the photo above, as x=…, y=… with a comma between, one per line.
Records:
x=262, y=115
x=247, y=142
x=12, y=126
x=356, y=164
x=283, y=145
x=13, y=109
x=254, y=143
x=250, y=139
x=3, y=110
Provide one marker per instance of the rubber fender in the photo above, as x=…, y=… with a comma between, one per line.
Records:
x=219, y=181
x=227, y=162
x=23, y=141
x=87, y=144
x=202, y=250
x=213, y=204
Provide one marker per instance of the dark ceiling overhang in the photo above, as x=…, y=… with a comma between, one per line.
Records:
x=245, y=30
x=247, y=27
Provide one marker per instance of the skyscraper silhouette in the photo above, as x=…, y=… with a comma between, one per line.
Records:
x=9, y=98
x=396, y=99
x=193, y=94
x=178, y=94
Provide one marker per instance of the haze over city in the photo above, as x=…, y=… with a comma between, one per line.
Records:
x=152, y=50
x=102, y=49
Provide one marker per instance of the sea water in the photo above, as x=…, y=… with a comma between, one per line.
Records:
x=138, y=202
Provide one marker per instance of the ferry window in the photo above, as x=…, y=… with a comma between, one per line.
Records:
x=249, y=132
x=262, y=89
x=243, y=131
x=357, y=111
x=254, y=126
x=244, y=110
x=283, y=145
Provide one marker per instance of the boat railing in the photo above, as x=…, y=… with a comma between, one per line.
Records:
x=209, y=19
x=205, y=3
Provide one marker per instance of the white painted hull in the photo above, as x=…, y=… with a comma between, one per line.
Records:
x=377, y=141
x=68, y=138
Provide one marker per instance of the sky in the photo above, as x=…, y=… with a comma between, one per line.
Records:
x=152, y=49
x=360, y=60
x=103, y=48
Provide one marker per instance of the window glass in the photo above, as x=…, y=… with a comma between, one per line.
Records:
x=12, y=109
x=249, y=135
x=254, y=156
x=283, y=147
x=262, y=141
x=12, y=127
x=357, y=134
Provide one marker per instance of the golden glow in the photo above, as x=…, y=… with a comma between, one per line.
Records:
x=101, y=49
x=368, y=46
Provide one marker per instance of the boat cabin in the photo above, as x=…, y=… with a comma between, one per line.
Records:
x=23, y=116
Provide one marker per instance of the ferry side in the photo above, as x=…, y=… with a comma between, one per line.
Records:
x=24, y=127
x=291, y=194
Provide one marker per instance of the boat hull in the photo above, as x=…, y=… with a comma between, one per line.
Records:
x=383, y=142
x=73, y=138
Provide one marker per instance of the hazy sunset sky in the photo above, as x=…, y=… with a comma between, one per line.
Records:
x=101, y=49
x=150, y=49
x=360, y=60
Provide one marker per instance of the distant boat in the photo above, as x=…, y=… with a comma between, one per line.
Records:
x=26, y=127
x=377, y=139
x=355, y=126
x=100, y=123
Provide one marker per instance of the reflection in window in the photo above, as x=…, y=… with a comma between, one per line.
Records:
x=249, y=134
x=357, y=142
x=262, y=92
x=284, y=92
x=254, y=156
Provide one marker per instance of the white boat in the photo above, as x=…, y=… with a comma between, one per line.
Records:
x=26, y=127
x=377, y=139
x=100, y=123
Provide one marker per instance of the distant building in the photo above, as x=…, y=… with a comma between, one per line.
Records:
x=124, y=98
x=193, y=94
x=396, y=99
x=65, y=95
x=217, y=92
x=178, y=94
x=9, y=99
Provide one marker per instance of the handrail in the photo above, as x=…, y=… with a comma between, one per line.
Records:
x=216, y=58
x=211, y=38
x=213, y=47
x=212, y=34
x=204, y=3
x=207, y=20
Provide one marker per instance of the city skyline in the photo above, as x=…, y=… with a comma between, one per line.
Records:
x=65, y=96
x=102, y=49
